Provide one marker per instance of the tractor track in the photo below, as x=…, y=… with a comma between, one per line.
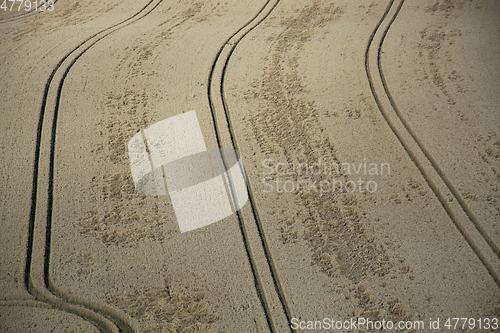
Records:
x=106, y=319
x=461, y=215
x=222, y=59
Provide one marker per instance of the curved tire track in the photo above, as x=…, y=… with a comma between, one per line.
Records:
x=459, y=212
x=218, y=70
x=36, y=277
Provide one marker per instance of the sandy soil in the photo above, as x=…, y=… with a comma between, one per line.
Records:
x=402, y=96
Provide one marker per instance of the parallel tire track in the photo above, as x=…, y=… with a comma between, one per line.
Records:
x=105, y=319
x=219, y=60
x=443, y=176
x=478, y=239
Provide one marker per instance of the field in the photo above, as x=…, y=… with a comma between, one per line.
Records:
x=369, y=134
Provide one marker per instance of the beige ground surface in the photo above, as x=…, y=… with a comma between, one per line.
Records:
x=301, y=89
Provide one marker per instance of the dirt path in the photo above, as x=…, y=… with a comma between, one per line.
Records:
x=368, y=132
